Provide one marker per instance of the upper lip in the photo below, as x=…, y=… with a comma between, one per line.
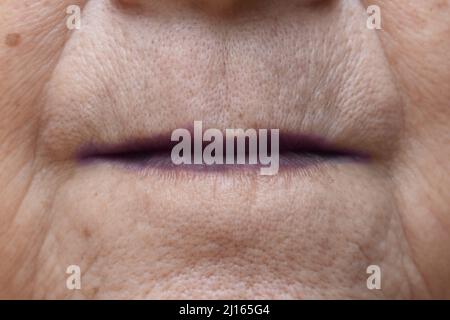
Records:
x=324, y=103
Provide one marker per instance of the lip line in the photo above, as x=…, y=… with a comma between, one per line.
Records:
x=295, y=150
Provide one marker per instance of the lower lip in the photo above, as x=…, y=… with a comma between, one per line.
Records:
x=287, y=161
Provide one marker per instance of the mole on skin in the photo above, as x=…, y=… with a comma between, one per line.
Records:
x=12, y=39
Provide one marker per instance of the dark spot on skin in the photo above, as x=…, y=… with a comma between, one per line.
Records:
x=443, y=4
x=87, y=233
x=94, y=292
x=12, y=39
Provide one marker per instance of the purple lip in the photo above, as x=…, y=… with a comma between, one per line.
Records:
x=295, y=151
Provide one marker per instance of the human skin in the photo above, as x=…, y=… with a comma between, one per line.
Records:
x=140, y=69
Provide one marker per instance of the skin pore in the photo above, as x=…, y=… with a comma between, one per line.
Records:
x=139, y=69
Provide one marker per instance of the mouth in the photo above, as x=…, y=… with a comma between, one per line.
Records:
x=295, y=151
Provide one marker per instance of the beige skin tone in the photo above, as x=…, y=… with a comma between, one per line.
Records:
x=143, y=68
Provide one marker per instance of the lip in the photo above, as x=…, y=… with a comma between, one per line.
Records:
x=295, y=151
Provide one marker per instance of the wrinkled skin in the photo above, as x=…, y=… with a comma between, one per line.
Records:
x=144, y=68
